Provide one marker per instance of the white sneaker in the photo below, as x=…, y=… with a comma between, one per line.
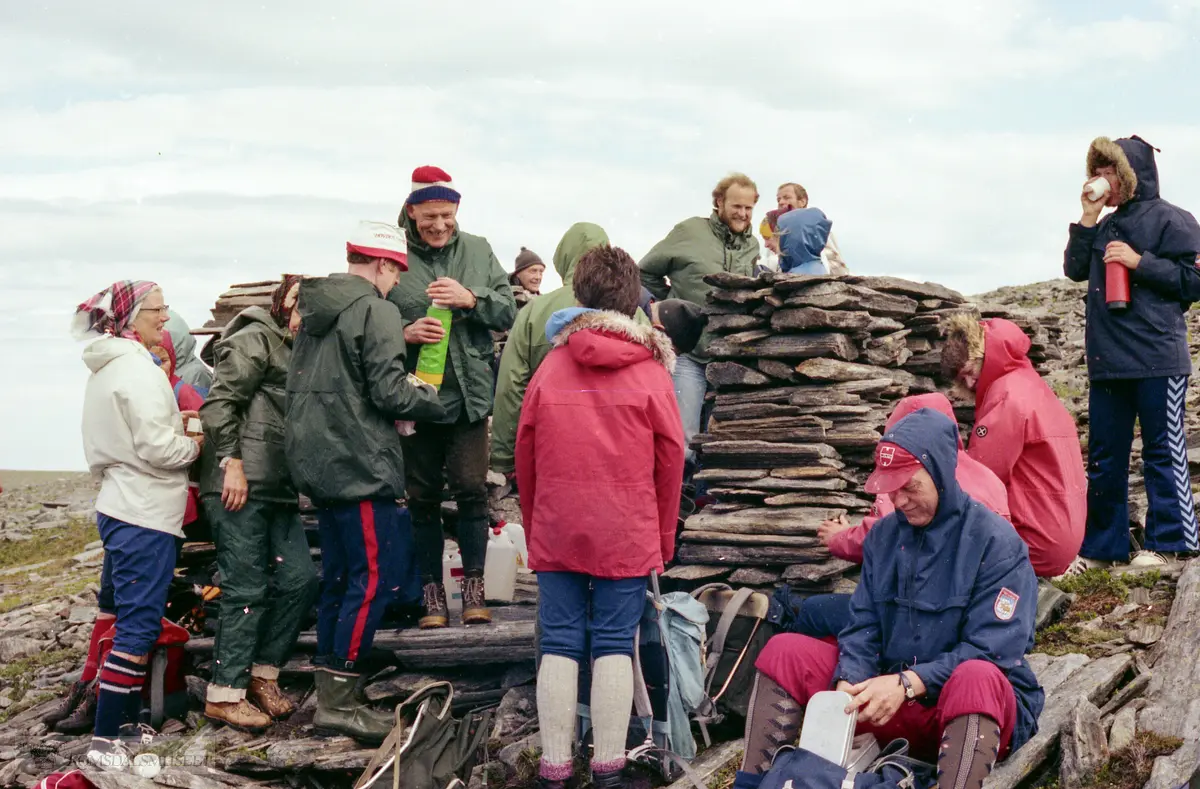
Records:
x=1148, y=559
x=108, y=755
x=1082, y=564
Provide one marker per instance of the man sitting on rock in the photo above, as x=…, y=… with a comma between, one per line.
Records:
x=825, y=615
x=940, y=623
x=1023, y=434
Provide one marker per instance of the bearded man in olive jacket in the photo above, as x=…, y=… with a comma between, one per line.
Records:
x=676, y=267
x=459, y=271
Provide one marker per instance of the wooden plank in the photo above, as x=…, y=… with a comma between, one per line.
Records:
x=1093, y=683
x=786, y=346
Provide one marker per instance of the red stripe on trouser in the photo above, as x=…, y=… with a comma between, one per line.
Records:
x=366, y=517
x=119, y=678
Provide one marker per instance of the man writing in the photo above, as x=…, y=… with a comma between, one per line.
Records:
x=1137, y=357
x=347, y=386
x=458, y=271
x=940, y=624
x=676, y=267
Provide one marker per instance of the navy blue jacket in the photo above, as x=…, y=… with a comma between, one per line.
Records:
x=803, y=234
x=958, y=589
x=1149, y=339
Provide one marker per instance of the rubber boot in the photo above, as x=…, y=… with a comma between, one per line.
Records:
x=970, y=749
x=339, y=712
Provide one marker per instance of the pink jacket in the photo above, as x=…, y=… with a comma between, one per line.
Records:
x=976, y=480
x=1027, y=437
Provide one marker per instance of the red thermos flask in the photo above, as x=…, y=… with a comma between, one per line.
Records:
x=1116, y=286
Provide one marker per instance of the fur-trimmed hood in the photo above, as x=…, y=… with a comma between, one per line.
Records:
x=615, y=340
x=1133, y=159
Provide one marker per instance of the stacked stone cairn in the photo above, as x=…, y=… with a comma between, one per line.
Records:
x=806, y=371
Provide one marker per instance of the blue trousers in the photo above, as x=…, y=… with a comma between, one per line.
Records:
x=823, y=615
x=139, y=564
x=363, y=570
x=690, y=387
x=1157, y=405
x=573, y=606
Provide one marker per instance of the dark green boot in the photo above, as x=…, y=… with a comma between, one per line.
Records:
x=340, y=712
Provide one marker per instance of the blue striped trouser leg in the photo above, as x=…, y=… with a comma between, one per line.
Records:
x=1171, y=521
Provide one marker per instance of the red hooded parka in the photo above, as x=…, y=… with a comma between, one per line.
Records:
x=1027, y=437
x=599, y=450
x=976, y=480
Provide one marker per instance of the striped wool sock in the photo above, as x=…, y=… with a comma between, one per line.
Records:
x=120, y=697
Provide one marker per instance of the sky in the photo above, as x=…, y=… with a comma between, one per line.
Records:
x=204, y=144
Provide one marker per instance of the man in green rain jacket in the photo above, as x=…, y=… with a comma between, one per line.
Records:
x=460, y=271
x=676, y=267
x=527, y=344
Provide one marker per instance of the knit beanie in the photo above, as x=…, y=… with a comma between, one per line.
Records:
x=683, y=322
x=431, y=183
x=527, y=258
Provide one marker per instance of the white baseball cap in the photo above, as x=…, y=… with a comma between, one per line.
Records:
x=380, y=240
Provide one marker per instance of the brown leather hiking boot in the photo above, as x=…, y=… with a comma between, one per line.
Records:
x=270, y=698
x=475, y=610
x=240, y=715
x=437, y=613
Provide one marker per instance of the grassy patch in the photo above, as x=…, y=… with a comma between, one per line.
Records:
x=723, y=778
x=11, y=602
x=1065, y=637
x=1130, y=768
x=26, y=701
x=25, y=669
x=51, y=544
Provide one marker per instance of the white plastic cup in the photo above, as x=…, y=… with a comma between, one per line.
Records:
x=194, y=428
x=1097, y=189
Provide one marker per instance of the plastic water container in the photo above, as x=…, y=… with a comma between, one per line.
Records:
x=452, y=575
x=516, y=533
x=500, y=566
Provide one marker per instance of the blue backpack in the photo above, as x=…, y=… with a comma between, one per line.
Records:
x=796, y=768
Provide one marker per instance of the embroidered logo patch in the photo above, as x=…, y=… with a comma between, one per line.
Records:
x=887, y=455
x=1006, y=604
x=981, y=431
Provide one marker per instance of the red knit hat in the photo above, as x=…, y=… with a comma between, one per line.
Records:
x=432, y=183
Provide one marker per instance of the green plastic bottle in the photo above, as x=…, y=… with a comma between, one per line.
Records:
x=431, y=361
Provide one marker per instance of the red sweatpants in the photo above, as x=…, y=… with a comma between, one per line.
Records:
x=803, y=666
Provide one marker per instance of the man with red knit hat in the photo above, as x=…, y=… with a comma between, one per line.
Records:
x=1024, y=434
x=458, y=271
x=347, y=386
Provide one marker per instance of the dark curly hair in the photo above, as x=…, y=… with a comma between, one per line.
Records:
x=607, y=278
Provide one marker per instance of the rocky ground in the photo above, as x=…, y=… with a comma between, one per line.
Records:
x=1120, y=635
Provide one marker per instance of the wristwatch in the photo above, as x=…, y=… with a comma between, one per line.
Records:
x=909, y=692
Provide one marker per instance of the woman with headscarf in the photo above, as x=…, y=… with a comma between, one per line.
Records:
x=77, y=712
x=268, y=581
x=134, y=441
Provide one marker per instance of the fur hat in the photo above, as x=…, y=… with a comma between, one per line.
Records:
x=683, y=322
x=1103, y=152
x=431, y=183
x=964, y=343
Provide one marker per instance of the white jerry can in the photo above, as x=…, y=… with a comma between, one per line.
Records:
x=516, y=533
x=452, y=575
x=500, y=566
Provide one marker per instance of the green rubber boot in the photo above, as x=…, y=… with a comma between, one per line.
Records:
x=340, y=712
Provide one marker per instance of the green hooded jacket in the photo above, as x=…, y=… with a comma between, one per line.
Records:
x=467, y=259
x=527, y=345
x=347, y=387
x=694, y=249
x=244, y=412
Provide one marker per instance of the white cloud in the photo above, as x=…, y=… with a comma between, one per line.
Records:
x=204, y=145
